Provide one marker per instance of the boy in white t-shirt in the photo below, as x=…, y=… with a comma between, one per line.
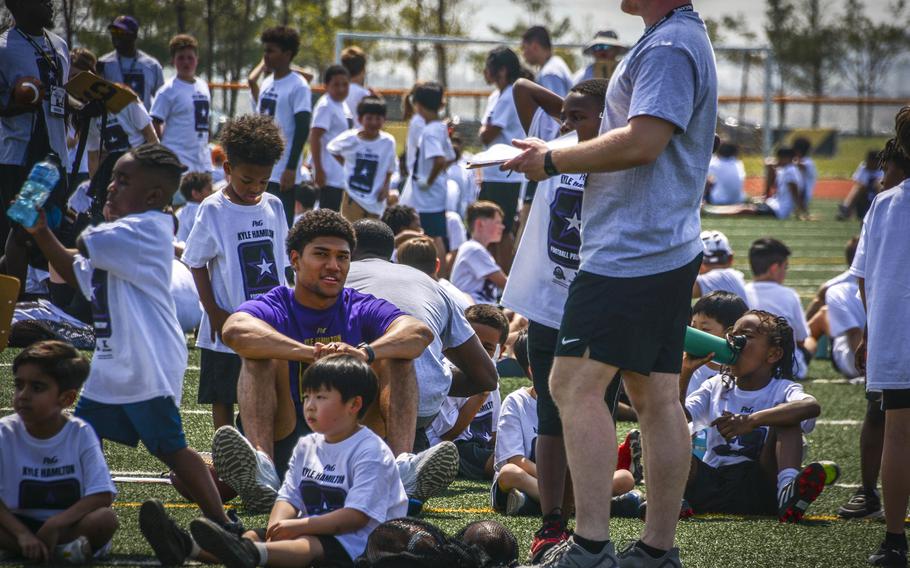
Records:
x=331, y=117
x=195, y=187
x=426, y=187
x=55, y=487
x=355, y=61
x=471, y=422
x=286, y=97
x=182, y=107
x=368, y=157
x=475, y=271
x=133, y=391
x=236, y=252
x=726, y=177
x=881, y=266
x=717, y=272
x=341, y=484
x=755, y=418
x=768, y=261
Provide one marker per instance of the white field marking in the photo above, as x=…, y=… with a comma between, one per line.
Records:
x=130, y=479
x=824, y=422
x=9, y=409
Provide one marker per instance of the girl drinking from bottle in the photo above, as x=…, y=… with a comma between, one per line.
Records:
x=755, y=416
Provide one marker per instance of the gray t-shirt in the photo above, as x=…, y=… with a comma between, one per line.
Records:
x=416, y=294
x=18, y=59
x=645, y=220
x=142, y=73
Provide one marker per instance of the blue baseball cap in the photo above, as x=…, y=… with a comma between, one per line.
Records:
x=127, y=24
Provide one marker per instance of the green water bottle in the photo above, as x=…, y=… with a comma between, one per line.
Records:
x=699, y=343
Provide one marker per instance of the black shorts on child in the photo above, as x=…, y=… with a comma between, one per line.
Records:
x=739, y=489
x=335, y=556
x=218, y=375
x=473, y=456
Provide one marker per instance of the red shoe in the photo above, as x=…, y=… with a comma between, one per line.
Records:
x=549, y=535
x=796, y=496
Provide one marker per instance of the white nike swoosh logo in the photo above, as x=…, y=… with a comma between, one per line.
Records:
x=566, y=341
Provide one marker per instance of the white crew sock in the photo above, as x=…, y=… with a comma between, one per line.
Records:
x=785, y=476
x=263, y=552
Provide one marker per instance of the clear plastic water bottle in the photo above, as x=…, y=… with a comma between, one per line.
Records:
x=700, y=444
x=41, y=181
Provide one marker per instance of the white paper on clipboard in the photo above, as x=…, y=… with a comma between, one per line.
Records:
x=499, y=154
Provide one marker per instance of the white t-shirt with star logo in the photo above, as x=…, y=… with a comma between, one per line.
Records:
x=243, y=248
x=184, y=108
x=367, y=164
x=547, y=259
x=714, y=397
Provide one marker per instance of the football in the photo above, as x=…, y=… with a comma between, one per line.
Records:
x=27, y=91
x=223, y=488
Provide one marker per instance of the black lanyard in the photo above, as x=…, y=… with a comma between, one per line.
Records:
x=653, y=27
x=52, y=61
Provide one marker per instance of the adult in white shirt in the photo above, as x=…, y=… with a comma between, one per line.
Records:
x=726, y=177
x=355, y=61
x=501, y=125
x=331, y=117
x=285, y=96
x=537, y=50
x=129, y=65
x=182, y=107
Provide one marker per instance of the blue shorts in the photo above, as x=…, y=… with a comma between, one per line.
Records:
x=155, y=422
x=434, y=225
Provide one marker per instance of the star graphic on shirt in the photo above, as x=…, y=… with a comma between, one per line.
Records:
x=365, y=172
x=735, y=445
x=264, y=266
x=574, y=222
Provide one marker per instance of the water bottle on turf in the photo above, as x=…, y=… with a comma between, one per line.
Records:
x=698, y=344
x=40, y=183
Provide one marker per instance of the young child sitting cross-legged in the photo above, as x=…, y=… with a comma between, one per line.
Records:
x=755, y=417
x=55, y=487
x=342, y=482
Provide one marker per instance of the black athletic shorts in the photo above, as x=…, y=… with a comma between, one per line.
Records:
x=434, y=225
x=895, y=399
x=739, y=489
x=504, y=194
x=636, y=324
x=541, y=351
x=335, y=555
x=473, y=456
x=218, y=375
x=330, y=198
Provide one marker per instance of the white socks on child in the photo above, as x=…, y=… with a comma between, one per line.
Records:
x=263, y=552
x=785, y=476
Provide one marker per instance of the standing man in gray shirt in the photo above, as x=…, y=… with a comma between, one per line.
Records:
x=135, y=68
x=627, y=309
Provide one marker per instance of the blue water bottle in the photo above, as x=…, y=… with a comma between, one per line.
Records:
x=40, y=183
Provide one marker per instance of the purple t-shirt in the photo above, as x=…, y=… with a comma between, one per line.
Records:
x=353, y=319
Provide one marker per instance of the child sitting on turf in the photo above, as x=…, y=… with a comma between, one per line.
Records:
x=55, y=487
x=475, y=271
x=195, y=187
x=236, y=252
x=135, y=385
x=515, y=490
x=788, y=182
x=368, y=156
x=769, y=264
x=716, y=271
x=755, y=417
x=471, y=422
x=342, y=482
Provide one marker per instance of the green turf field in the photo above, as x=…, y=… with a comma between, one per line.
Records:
x=705, y=542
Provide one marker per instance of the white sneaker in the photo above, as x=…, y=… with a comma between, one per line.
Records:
x=78, y=551
x=430, y=472
x=248, y=471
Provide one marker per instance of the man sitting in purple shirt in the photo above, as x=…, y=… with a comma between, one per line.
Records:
x=279, y=333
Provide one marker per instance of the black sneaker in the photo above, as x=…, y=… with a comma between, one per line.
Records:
x=862, y=505
x=171, y=544
x=234, y=551
x=889, y=557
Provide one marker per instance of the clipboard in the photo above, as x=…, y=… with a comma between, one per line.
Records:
x=88, y=87
x=499, y=154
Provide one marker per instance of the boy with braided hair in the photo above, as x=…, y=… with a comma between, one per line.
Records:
x=133, y=392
